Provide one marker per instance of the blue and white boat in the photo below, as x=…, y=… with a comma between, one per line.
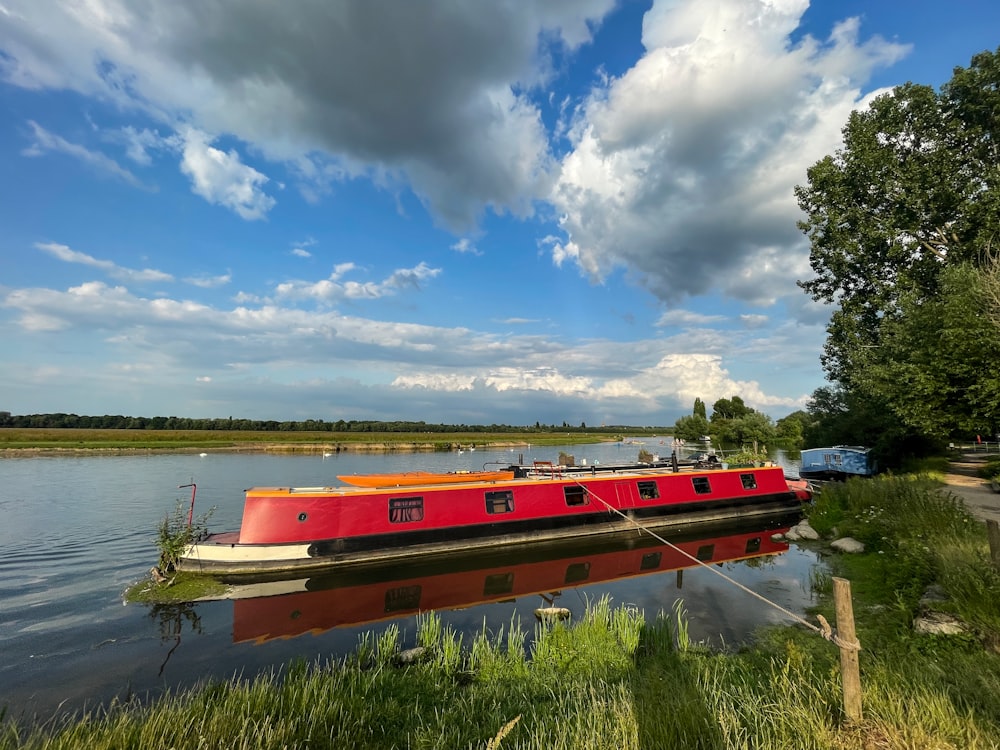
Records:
x=837, y=462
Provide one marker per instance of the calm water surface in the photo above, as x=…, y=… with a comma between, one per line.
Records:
x=78, y=531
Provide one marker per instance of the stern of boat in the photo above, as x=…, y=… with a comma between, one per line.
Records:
x=801, y=489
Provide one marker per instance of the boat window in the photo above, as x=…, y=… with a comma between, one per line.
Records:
x=576, y=572
x=706, y=552
x=651, y=561
x=753, y=545
x=498, y=583
x=402, y=598
x=648, y=490
x=701, y=485
x=576, y=494
x=500, y=501
x=749, y=481
x=406, y=509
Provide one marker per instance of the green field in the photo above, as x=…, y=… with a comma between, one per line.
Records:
x=63, y=439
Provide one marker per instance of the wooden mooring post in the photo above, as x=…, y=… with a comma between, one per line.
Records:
x=993, y=532
x=850, y=670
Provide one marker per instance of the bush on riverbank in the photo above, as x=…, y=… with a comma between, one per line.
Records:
x=613, y=680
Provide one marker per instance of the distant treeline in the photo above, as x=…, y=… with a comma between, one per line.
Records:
x=120, y=422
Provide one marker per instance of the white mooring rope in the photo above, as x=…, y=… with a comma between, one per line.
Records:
x=823, y=629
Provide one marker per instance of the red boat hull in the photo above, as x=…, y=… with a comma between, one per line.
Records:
x=288, y=528
x=282, y=516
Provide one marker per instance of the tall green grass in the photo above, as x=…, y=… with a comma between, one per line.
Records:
x=915, y=535
x=611, y=680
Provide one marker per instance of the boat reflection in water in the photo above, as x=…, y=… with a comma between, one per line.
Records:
x=272, y=609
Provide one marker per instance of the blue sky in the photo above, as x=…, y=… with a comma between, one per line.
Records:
x=465, y=212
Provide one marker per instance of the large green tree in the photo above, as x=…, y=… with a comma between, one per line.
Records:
x=735, y=423
x=990, y=281
x=694, y=425
x=729, y=408
x=699, y=409
x=938, y=363
x=749, y=428
x=790, y=430
x=914, y=191
x=690, y=427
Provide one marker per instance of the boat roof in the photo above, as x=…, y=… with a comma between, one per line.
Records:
x=556, y=474
x=855, y=448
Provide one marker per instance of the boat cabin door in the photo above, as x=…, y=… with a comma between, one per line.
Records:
x=625, y=494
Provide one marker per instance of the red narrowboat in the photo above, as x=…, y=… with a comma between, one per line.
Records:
x=311, y=528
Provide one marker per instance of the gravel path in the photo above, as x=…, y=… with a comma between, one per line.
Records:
x=964, y=481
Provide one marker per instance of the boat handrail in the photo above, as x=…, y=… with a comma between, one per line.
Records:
x=541, y=468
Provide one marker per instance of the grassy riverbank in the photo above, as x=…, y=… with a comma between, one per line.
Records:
x=616, y=680
x=53, y=440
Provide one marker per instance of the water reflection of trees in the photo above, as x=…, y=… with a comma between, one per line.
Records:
x=764, y=561
x=170, y=618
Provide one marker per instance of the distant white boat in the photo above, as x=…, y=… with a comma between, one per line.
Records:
x=202, y=454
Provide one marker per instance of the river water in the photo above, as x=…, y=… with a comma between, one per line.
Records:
x=77, y=531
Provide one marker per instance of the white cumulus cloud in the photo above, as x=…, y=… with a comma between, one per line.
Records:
x=682, y=169
x=431, y=95
x=220, y=177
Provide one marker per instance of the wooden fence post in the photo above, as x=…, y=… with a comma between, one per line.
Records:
x=850, y=671
x=993, y=532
